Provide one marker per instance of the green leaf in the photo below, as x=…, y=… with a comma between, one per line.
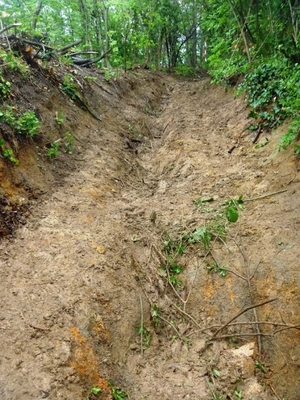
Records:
x=96, y=390
x=232, y=214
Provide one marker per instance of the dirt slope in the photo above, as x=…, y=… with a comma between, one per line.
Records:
x=88, y=269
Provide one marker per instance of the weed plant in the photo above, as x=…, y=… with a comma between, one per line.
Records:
x=7, y=152
x=273, y=93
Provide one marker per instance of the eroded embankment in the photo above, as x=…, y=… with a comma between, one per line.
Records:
x=89, y=291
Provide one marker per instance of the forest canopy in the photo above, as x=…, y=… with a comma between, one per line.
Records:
x=167, y=33
x=251, y=41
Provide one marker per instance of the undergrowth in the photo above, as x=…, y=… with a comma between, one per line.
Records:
x=203, y=237
x=272, y=89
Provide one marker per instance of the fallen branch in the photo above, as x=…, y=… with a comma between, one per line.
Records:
x=239, y=314
x=34, y=43
x=172, y=325
x=275, y=394
x=142, y=325
x=258, y=132
x=64, y=49
x=9, y=27
x=187, y=315
x=266, y=195
x=96, y=59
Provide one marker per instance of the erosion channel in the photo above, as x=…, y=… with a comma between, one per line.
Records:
x=127, y=269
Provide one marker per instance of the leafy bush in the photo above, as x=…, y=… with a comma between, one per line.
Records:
x=185, y=70
x=266, y=92
x=4, y=87
x=27, y=124
x=13, y=63
x=69, y=87
x=273, y=91
x=291, y=135
x=54, y=149
x=7, y=152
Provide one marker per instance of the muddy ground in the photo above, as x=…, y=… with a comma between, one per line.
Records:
x=105, y=275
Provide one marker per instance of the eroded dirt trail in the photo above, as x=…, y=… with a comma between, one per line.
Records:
x=79, y=280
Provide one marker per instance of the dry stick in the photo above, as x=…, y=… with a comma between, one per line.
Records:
x=210, y=388
x=245, y=335
x=142, y=325
x=286, y=326
x=6, y=28
x=187, y=315
x=276, y=395
x=172, y=325
x=266, y=195
x=228, y=270
x=249, y=278
x=240, y=313
x=168, y=273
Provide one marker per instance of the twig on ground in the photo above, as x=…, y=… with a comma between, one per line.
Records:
x=187, y=315
x=245, y=335
x=142, y=325
x=172, y=325
x=266, y=195
x=287, y=327
x=40, y=328
x=239, y=314
x=212, y=327
x=227, y=269
x=249, y=278
x=273, y=390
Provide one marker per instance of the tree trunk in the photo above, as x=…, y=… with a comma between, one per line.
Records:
x=36, y=14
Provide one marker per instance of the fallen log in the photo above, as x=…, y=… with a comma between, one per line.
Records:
x=95, y=59
x=65, y=49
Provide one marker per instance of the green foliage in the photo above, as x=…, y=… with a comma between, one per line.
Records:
x=259, y=365
x=291, y=135
x=90, y=78
x=117, y=393
x=238, y=394
x=145, y=334
x=273, y=92
x=174, y=269
x=4, y=87
x=69, y=142
x=54, y=149
x=201, y=235
x=8, y=116
x=214, y=267
x=266, y=91
x=13, y=63
x=232, y=208
x=185, y=70
x=297, y=150
x=174, y=247
x=155, y=314
x=109, y=74
x=7, y=152
x=59, y=118
x=27, y=124
x=96, y=391
x=69, y=87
